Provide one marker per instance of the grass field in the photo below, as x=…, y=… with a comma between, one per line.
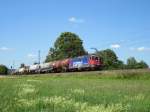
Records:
x=105, y=91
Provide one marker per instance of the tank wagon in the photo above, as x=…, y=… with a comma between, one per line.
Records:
x=45, y=67
x=61, y=65
x=81, y=63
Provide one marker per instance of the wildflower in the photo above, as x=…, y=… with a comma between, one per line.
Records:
x=31, y=80
x=26, y=89
x=26, y=103
x=77, y=91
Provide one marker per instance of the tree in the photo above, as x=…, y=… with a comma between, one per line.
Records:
x=109, y=59
x=3, y=69
x=51, y=55
x=119, y=65
x=142, y=64
x=131, y=63
x=67, y=45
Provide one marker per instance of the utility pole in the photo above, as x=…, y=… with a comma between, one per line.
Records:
x=12, y=67
x=13, y=64
x=39, y=56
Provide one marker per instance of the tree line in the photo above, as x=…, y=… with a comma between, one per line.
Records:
x=111, y=61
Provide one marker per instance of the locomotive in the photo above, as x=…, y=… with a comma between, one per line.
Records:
x=80, y=63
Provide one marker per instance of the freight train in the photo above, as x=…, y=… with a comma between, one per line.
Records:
x=81, y=63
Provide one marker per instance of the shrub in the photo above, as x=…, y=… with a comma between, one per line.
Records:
x=3, y=70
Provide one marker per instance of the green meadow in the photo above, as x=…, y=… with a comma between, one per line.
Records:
x=100, y=91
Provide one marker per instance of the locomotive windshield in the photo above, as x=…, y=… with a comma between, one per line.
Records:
x=96, y=58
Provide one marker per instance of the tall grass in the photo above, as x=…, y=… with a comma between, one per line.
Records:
x=102, y=91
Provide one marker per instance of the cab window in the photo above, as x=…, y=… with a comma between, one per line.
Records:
x=96, y=58
x=93, y=58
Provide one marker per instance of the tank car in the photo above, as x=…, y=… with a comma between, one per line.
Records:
x=46, y=67
x=34, y=68
x=61, y=65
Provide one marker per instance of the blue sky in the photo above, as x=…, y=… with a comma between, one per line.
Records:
x=27, y=26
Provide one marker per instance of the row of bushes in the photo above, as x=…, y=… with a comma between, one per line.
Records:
x=126, y=74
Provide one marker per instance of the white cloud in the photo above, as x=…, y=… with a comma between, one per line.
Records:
x=31, y=56
x=75, y=20
x=5, y=48
x=140, y=49
x=72, y=19
x=115, y=46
